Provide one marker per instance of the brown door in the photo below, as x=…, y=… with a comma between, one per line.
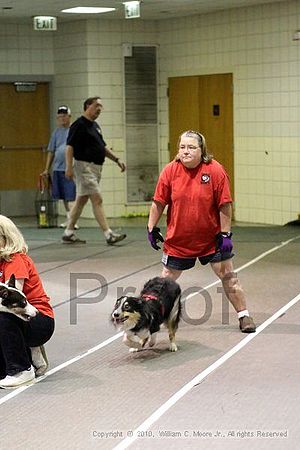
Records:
x=24, y=132
x=183, y=108
x=204, y=103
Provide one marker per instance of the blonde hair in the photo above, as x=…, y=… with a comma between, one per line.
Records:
x=205, y=156
x=11, y=239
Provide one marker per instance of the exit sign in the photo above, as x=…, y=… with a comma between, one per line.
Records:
x=44, y=23
x=132, y=9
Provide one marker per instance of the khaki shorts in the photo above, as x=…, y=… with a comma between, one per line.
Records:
x=87, y=177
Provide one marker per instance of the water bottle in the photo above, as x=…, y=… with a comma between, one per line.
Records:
x=43, y=217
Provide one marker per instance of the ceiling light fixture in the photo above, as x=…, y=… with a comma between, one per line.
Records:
x=87, y=10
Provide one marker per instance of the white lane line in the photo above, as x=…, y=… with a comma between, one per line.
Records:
x=19, y=390
x=252, y=261
x=197, y=379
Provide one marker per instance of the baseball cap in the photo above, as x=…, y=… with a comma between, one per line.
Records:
x=64, y=110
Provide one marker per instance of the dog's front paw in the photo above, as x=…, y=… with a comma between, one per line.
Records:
x=173, y=347
x=133, y=344
x=133, y=350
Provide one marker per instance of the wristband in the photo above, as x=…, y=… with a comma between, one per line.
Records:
x=226, y=234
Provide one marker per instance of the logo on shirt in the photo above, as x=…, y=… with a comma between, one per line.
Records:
x=205, y=178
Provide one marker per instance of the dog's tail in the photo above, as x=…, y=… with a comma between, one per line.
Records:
x=175, y=313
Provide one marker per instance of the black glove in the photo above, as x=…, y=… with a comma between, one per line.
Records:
x=154, y=237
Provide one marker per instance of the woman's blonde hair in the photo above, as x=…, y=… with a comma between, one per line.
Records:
x=205, y=156
x=11, y=239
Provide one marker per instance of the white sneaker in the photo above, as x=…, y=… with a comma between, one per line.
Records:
x=19, y=379
x=39, y=360
x=114, y=238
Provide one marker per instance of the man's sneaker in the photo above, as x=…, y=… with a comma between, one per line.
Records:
x=73, y=239
x=65, y=224
x=114, y=238
x=19, y=379
x=39, y=360
x=247, y=325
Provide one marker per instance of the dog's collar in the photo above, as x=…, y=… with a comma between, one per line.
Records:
x=154, y=297
x=149, y=297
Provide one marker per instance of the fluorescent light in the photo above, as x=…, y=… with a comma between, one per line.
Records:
x=87, y=10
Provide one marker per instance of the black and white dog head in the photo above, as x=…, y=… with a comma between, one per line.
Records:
x=14, y=301
x=127, y=312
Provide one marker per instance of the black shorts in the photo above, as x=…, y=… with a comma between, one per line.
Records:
x=173, y=262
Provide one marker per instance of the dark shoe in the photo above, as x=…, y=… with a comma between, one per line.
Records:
x=73, y=239
x=247, y=325
x=114, y=238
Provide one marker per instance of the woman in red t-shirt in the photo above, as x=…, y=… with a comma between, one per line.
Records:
x=196, y=190
x=22, y=355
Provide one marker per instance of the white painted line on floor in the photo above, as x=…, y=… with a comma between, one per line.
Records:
x=19, y=390
x=253, y=261
x=196, y=380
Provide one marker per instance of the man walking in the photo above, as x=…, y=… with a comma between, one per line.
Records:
x=86, y=145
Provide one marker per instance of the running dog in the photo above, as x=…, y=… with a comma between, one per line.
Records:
x=140, y=317
x=14, y=301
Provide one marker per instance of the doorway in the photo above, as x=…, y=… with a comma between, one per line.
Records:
x=24, y=135
x=204, y=103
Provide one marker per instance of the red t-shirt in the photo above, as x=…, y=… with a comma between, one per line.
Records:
x=22, y=266
x=194, y=197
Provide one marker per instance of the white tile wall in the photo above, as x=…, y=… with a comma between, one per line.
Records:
x=256, y=45
x=24, y=51
x=253, y=43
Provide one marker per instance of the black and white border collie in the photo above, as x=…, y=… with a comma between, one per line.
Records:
x=140, y=317
x=14, y=301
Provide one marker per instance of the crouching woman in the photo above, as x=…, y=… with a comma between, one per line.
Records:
x=22, y=354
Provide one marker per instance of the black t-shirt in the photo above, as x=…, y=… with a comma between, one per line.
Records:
x=87, y=141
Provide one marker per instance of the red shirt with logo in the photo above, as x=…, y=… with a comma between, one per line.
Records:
x=194, y=197
x=23, y=267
